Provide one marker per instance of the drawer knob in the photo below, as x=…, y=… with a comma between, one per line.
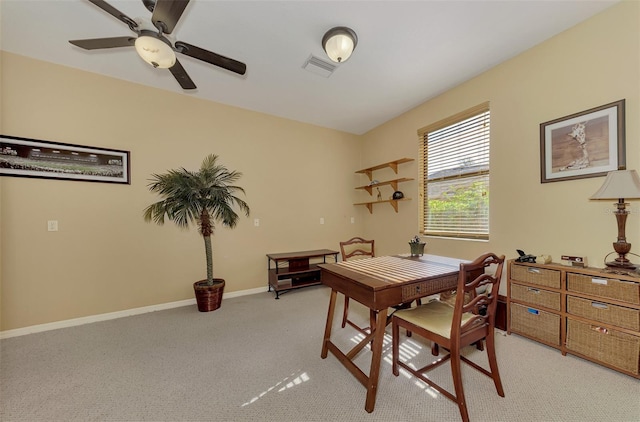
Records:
x=599, y=305
x=601, y=330
x=533, y=270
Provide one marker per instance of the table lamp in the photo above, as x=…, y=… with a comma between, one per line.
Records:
x=620, y=185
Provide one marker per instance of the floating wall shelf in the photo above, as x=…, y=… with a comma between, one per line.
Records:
x=391, y=164
x=393, y=202
x=393, y=183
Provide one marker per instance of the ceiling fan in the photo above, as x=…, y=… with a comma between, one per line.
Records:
x=155, y=44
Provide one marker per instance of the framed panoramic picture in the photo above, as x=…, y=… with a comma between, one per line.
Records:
x=586, y=144
x=24, y=157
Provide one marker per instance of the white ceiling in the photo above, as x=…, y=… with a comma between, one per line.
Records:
x=407, y=53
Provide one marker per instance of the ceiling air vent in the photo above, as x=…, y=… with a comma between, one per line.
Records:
x=319, y=67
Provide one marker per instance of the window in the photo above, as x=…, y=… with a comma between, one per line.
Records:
x=455, y=175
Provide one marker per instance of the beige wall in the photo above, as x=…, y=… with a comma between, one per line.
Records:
x=105, y=258
x=594, y=63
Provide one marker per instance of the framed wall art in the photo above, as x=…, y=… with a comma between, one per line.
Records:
x=585, y=144
x=22, y=157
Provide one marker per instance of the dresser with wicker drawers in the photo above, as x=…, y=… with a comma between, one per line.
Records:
x=582, y=311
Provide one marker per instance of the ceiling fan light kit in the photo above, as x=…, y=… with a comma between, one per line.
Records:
x=153, y=43
x=155, y=52
x=339, y=43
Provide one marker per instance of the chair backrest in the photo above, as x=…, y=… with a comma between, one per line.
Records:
x=484, y=271
x=357, y=247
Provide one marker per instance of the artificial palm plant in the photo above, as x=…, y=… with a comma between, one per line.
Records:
x=203, y=198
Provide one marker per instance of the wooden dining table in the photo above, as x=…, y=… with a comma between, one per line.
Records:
x=381, y=283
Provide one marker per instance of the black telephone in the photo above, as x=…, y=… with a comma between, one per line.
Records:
x=524, y=257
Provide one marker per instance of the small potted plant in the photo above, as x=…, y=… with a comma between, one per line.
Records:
x=203, y=198
x=417, y=246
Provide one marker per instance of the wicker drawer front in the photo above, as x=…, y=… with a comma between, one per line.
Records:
x=535, y=296
x=533, y=275
x=604, y=312
x=615, y=348
x=424, y=288
x=625, y=291
x=535, y=323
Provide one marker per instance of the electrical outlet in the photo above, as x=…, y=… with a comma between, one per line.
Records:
x=321, y=220
x=52, y=225
x=353, y=220
x=256, y=222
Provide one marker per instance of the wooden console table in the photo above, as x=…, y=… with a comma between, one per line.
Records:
x=293, y=270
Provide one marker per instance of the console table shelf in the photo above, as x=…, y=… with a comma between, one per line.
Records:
x=293, y=270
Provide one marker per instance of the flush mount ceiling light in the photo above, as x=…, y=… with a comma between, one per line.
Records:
x=339, y=43
x=155, y=51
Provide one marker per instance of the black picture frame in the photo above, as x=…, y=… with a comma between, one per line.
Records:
x=590, y=143
x=24, y=157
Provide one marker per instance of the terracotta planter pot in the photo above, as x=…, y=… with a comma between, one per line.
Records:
x=208, y=298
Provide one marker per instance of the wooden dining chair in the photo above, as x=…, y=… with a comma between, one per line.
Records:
x=454, y=327
x=355, y=248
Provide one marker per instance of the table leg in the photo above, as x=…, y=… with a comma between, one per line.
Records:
x=327, y=328
x=376, y=357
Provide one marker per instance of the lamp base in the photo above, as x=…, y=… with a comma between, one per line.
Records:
x=621, y=265
x=622, y=248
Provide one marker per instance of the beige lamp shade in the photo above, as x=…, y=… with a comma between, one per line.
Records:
x=619, y=184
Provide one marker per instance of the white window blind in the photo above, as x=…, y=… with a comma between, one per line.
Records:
x=455, y=175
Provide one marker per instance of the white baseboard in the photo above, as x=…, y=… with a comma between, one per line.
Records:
x=113, y=315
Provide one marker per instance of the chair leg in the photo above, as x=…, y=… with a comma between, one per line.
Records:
x=435, y=349
x=373, y=317
x=418, y=303
x=345, y=313
x=457, y=383
x=493, y=363
x=395, y=343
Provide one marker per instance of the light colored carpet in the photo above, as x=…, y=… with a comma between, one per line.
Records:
x=258, y=359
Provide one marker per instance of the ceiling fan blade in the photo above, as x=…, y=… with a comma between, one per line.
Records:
x=166, y=14
x=97, y=43
x=212, y=58
x=115, y=12
x=181, y=76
